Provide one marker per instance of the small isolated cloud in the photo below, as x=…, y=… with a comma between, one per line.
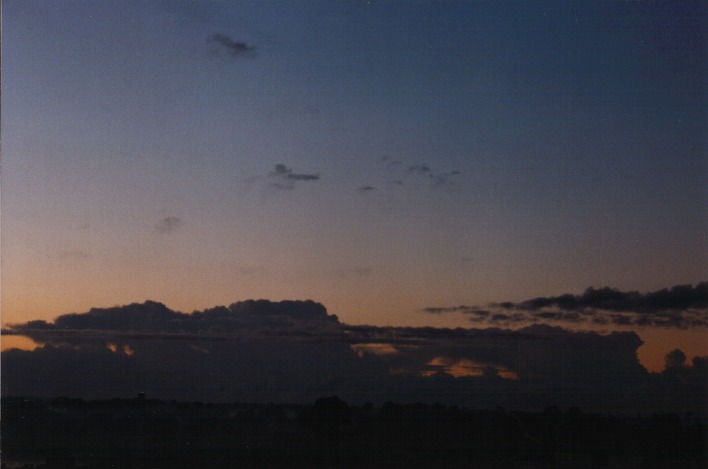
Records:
x=284, y=171
x=366, y=189
x=419, y=169
x=222, y=43
x=681, y=306
x=168, y=225
x=442, y=178
x=285, y=178
x=437, y=177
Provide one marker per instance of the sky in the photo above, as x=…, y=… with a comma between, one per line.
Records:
x=383, y=158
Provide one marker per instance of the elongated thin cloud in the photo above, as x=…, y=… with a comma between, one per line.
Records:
x=681, y=306
x=224, y=43
x=285, y=178
x=448, y=309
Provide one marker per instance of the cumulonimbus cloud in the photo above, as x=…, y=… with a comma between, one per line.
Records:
x=681, y=306
x=295, y=351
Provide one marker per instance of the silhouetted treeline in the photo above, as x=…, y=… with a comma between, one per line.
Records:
x=149, y=433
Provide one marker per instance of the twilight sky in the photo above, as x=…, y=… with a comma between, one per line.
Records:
x=384, y=158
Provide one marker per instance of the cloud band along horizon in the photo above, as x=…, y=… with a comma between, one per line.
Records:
x=295, y=351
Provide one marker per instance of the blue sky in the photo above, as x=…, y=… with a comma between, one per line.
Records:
x=434, y=153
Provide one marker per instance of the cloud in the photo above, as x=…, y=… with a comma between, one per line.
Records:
x=681, y=306
x=287, y=173
x=419, y=169
x=223, y=43
x=296, y=351
x=691, y=378
x=455, y=309
x=396, y=173
x=442, y=178
x=436, y=177
x=153, y=317
x=168, y=225
x=254, y=350
x=679, y=297
x=674, y=360
x=285, y=178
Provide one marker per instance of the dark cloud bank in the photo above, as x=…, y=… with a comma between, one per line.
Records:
x=681, y=306
x=294, y=351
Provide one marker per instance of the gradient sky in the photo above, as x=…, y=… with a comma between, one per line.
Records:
x=379, y=157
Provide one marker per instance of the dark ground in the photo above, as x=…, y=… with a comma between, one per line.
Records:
x=146, y=433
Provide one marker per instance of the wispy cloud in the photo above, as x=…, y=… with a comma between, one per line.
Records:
x=285, y=178
x=448, y=309
x=442, y=177
x=437, y=177
x=222, y=43
x=398, y=171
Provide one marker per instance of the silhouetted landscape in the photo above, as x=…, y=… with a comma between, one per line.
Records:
x=149, y=433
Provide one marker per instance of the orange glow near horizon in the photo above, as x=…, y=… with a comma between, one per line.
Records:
x=17, y=341
x=465, y=367
x=374, y=348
